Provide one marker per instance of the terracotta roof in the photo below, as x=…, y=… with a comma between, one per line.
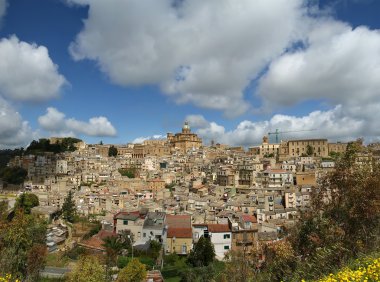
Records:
x=249, y=218
x=155, y=180
x=127, y=215
x=97, y=241
x=178, y=221
x=93, y=243
x=103, y=234
x=180, y=232
x=216, y=228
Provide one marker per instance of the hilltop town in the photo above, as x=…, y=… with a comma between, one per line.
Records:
x=176, y=190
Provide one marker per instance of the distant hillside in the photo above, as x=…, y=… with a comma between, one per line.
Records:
x=8, y=154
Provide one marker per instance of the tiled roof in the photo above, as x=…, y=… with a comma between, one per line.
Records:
x=178, y=221
x=249, y=218
x=93, y=243
x=127, y=215
x=180, y=232
x=216, y=228
x=102, y=234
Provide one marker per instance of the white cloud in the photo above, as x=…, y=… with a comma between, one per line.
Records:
x=56, y=123
x=141, y=139
x=340, y=65
x=14, y=131
x=196, y=121
x=337, y=124
x=27, y=73
x=200, y=52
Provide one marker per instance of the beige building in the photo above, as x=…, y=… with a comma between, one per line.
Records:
x=337, y=147
x=129, y=221
x=306, y=178
x=298, y=148
x=156, y=186
x=265, y=149
x=184, y=140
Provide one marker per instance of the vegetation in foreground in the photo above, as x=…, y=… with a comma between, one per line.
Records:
x=365, y=269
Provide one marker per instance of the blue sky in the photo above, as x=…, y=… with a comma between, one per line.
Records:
x=123, y=71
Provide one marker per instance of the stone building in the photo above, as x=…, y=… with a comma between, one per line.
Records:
x=184, y=140
x=337, y=147
x=266, y=149
x=304, y=147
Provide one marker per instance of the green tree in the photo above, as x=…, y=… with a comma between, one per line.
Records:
x=309, y=150
x=88, y=269
x=154, y=249
x=43, y=145
x=7, y=154
x=280, y=259
x=198, y=274
x=353, y=207
x=135, y=271
x=26, y=201
x=112, y=151
x=113, y=248
x=202, y=254
x=36, y=260
x=68, y=208
x=20, y=245
x=13, y=175
x=130, y=172
x=238, y=267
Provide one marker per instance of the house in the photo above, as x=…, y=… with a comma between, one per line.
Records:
x=179, y=237
x=46, y=212
x=154, y=227
x=220, y=235
x=129, y=221
x=244, y=234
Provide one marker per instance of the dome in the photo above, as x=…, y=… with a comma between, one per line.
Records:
x=186, y=127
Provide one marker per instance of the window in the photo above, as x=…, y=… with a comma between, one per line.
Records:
x=144, y=234
x=226, y=236
x=125, y=222
x=226, y=247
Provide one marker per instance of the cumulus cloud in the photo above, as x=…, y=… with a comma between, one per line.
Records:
x=27, y=73
x=200, y=52
x=337, y=124
x=14, y=131
x=196, y=121
x=56, y=123
x=141, y=139
x=339, y=64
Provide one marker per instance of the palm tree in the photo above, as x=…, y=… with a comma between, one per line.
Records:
x=113, y=248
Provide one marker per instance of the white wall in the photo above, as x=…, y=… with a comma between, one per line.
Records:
x=220, y=243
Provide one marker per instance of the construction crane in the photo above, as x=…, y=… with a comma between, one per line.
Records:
x=281, y=132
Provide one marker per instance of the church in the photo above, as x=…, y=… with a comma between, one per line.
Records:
x=185, y=140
